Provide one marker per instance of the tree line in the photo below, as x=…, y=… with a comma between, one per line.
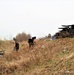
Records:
x=24, y=37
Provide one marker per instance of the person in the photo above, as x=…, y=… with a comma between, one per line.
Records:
x=31, y=41
x=16, y=47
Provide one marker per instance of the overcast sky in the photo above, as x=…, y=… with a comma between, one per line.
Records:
x=37, y=17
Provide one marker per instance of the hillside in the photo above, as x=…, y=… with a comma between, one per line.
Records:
x=47, y=57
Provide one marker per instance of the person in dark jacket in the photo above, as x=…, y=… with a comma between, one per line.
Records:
x=31, y=41
x=16, y=47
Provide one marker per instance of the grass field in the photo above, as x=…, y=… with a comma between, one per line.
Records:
x=47, y=57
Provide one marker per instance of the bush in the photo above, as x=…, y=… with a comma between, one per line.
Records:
x=22, y=37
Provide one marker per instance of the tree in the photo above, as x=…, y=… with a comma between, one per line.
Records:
x=22, y=37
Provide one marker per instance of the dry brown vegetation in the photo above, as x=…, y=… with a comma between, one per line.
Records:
x=47, y=57
x=22, y=37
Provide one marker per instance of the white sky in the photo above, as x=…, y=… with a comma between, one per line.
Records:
x=37, y=17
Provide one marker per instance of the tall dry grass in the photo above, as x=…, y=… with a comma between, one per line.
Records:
x=45, y=58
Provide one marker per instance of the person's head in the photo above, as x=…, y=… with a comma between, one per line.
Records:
x=33, y=37
x=15, y=39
